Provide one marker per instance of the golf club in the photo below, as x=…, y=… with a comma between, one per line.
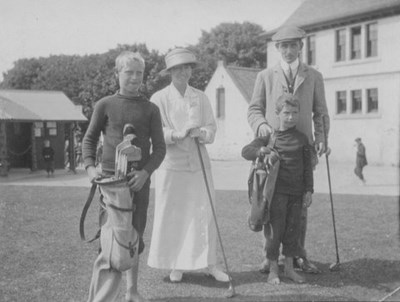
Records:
x=334, y=266
x=231, y=290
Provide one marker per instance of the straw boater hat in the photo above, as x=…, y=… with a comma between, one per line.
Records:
x=178, y=56
x=288, y=33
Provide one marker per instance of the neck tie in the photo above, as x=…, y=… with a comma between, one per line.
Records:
x=290, y=75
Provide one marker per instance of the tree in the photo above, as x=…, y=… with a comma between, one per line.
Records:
x=235, y=43
x=84, y=79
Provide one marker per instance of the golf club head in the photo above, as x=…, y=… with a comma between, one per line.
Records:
x=334, y=267
x=230, y=293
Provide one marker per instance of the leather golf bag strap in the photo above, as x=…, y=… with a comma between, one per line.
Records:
x=83, y=215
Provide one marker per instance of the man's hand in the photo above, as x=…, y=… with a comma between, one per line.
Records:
x=264, y=130
x=137, y=179
x=307, y=199
x=320, y=149
x=92, y=173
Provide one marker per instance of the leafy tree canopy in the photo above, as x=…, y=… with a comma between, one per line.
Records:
x=86, y=79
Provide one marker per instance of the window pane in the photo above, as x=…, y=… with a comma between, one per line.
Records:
x=51, y=124
x=341, y=102
x=220, y=102
x=340, y=45
x=356, y=43
x=356, y=101
x=372, y=95
x=372, y=40
x=311, y=50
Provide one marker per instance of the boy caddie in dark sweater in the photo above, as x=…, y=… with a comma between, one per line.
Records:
x=293, y=188
x=110, y=115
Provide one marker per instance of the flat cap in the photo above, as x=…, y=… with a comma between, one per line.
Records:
x=286, y=33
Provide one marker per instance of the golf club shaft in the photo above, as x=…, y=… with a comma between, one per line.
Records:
x=213, y=210
x=330, y=187
x=332, y=209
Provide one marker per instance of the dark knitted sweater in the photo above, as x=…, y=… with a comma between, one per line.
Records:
x=295, y=174
x=110, y=115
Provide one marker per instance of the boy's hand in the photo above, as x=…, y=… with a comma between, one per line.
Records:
x=92, y=173
x=262, y=152
x=273, y=157
x=137, y=179
x=307, y=199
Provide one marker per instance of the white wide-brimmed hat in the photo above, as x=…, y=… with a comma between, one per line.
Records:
x=178, y=56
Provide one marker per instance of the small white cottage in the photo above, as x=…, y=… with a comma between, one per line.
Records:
x=229, y=92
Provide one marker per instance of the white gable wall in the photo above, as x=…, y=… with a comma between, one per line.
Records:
x=233, y=130
x=379, y=131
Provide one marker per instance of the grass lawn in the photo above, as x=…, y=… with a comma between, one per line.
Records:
x=42, y=257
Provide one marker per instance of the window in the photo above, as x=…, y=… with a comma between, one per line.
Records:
x=355, y=43
x=372, y=100
x=311, y=50
x=220, y=102
x=341, y=102
x=39, y=129
x=371, y=40
x=51, y=128
x=17, y=128
x=356, y=101
x=340, y=45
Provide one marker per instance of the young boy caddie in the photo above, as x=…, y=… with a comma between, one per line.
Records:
x=293, y=187
x=110, y=115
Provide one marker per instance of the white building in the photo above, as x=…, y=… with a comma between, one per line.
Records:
x=229, y=91
x=354, y=44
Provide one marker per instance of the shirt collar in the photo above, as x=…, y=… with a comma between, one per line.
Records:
x=174, y=93
x=294, y=65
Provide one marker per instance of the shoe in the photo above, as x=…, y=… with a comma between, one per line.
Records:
x=217, y=274
x=304, y=265
x=176, y=276
x=264, y=267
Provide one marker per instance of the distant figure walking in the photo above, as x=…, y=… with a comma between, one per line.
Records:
x=48, y=157
x=361, y=159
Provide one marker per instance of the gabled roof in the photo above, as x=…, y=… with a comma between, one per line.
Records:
x=36, y=105
x=313, y=15
x=244, y=78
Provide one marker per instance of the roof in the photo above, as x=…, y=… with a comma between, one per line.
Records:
x=35, y=105
x=244, y=78
x=313, y=15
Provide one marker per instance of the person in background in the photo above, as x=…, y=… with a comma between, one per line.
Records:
x=184, y=233
x=111, y=113
x=48, y=157
x=361, y=159
x=292, y=76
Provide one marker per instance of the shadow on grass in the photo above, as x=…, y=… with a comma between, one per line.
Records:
x=248, y=298
x=364, y=272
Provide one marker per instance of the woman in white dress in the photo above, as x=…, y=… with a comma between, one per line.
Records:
x=184, y=234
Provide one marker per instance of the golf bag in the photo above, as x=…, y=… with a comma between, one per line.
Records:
x=261, y=187
x=119, y=239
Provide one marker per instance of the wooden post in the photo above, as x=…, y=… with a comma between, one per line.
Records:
x=34, y=166
x=3, y=150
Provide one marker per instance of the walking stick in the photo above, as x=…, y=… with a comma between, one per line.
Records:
x=334, y=266
x=231, y=290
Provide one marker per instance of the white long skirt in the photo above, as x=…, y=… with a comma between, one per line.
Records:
x=184, y=233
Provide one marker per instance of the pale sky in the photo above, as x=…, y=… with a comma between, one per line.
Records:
x=39, y=28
